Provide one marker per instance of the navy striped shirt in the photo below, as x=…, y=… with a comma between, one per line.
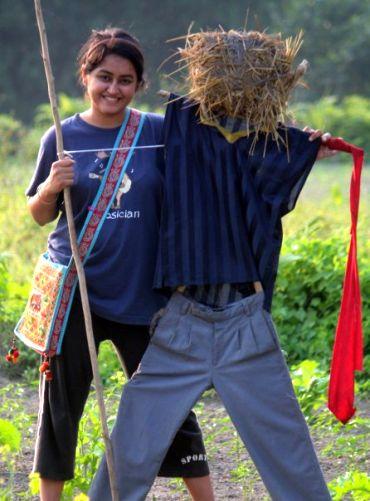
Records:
x=222, y=209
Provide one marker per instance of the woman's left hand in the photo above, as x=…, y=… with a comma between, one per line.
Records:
x=324, y=151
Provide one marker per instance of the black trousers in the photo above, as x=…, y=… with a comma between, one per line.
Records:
x=62, y=401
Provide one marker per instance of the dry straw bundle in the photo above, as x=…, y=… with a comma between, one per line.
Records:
x=242, y=75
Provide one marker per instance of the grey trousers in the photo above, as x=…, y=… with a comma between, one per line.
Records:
x=236, y=351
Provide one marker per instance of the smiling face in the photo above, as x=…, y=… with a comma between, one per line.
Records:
x=110, y=88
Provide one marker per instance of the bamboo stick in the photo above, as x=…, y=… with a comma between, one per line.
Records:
x=75, y=253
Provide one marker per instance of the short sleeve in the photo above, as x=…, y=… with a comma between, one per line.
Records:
x=282, y=172
x=46, y=156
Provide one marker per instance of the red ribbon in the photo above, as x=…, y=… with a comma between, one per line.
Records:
x=348, y=345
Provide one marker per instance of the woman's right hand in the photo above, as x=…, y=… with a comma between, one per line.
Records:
x=61, y=175
x=43, y=205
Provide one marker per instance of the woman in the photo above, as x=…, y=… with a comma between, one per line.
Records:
x=119, y=270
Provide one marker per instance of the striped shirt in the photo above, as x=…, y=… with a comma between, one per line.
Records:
x=222, y=209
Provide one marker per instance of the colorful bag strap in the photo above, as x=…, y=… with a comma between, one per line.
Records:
x=348, y=345
x=116, y=168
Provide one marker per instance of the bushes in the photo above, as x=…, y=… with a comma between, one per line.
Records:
x=308, y=291
x=43, y=119
x=356, y=483
x=10, y=444
x=12, y=295
x=3, y=284
x=16, y=140
x=11, y=133
x=310, y=383
x=13, y=298
x=348, y=118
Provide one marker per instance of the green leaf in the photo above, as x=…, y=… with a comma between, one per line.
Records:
x=9, y=435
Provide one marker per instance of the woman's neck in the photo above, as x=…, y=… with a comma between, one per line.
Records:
x=102, y=120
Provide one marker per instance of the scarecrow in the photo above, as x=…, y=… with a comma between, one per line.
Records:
x=233, y=170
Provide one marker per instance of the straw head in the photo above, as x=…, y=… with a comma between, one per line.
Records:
x=245, y=75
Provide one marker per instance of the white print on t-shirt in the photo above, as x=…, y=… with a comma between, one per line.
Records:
x=194, y=457
x=124, y=187
x=123, y=214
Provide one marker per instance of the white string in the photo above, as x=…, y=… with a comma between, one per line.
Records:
x=70, y=152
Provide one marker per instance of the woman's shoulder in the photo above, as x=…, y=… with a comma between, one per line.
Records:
x=153, y=126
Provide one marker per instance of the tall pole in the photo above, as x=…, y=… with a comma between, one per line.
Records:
x=75, y=253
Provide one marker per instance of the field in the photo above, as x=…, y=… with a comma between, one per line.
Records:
x=305, y=310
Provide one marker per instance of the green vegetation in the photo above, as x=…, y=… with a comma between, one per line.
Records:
x=354, y=482
x=11, y=131
x=10, y=437
x=306, y=309
x=336, y=37
x=348, y=118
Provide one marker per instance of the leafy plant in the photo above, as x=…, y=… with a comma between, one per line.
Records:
x=348, y=117
x=12, y=294
x=34, y=484
x=308, y=290
x=109, y=364
x=10, y=437
x=42, y=121
x=81, y=497
x=11, y=133
x=10, y=441
x=90, y=446
x=13, y=297
x=356, y=483
x=12, y=403
x=363, y=377
x=4, y=278
x=67, y=106
x=310, y=383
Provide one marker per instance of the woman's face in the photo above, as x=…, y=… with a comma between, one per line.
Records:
x=110, y=88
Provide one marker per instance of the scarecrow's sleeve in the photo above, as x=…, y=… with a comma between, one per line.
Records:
x=46, y=156
x=283, y=172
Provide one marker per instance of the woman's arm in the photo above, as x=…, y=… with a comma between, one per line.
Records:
x=43, y=205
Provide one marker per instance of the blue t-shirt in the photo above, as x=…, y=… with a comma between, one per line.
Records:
x=120, y=268
x=222, y=206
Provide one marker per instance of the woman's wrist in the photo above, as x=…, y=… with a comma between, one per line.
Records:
x=44, y=196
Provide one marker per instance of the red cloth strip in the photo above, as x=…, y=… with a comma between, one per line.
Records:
x=348, y=344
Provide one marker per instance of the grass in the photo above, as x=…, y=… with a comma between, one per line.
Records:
x=326, y=195
x=21, y=238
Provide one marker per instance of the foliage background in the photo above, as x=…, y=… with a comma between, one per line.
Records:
x=336, y=40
